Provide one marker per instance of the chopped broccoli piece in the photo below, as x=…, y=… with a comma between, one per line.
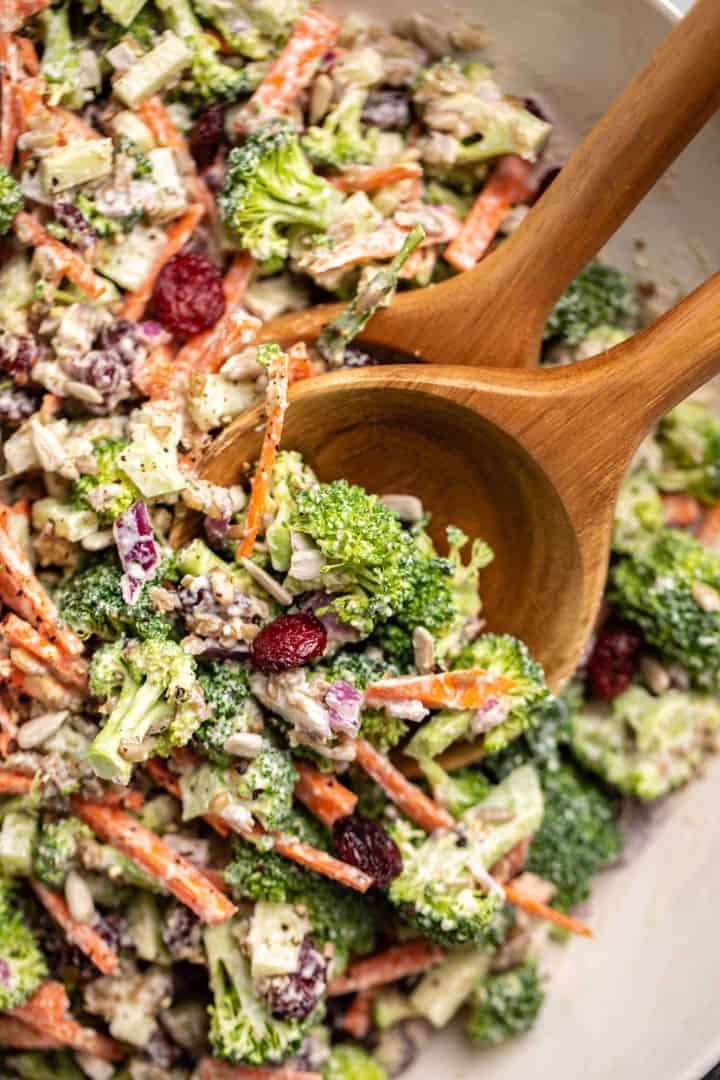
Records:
x=505, y=1005
x=348, y=1062
x=646, y=746
x=70, y=68
x=270, y=188
x=383, y=731
x=119, y=492
x=600, y=295
x=690, y=439
x=267, y=786
x=578, y=836
x=241, y=1027
x=638, y=514
x=227, y=695
x=145, y=27
x=252, y=27
x=22, y=965
x=152, y=685
x=56, y=850
x=438, y=891
x=290, y=474
x=342, y=139
x=91, y=601
x=211, y=78
x=11, y=199
x=79, y=162
x=671, y=591
x=165, y=61
x=541, y=745
x=17, y=838
x=460, y=790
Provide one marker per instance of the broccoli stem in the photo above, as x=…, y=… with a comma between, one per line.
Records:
x=437, y=734
x=134, y=714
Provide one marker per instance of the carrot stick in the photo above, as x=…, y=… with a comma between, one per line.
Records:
x=412, y=801
x=709, y=532
x=681, y=510
x=129, y=798
x=177, y=235
x=469, y=689
x=79, y=934
x=19, y=633
x=153, y=374
x=507, y=186
x=394, y=963
x=152, y=855
x=153, y=113
x=293, y=69
x=208, y=350
x=323, y=794
x=18, y=1036
x=48, y=1012
x=544, y=911
x=28, y=55
x=8, y=730
x=299, y=363
x=212, y=1069
x=29, y=231
x=276, y=403
x=13, y=783
x=358, y=1019
x=161, y=775
x=322, y=863
x=9, y=120
x=374, y=177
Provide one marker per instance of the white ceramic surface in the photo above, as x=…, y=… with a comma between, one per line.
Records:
x=642, y=1000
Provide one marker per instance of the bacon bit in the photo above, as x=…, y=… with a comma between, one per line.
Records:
x=300, y=364
x=544, y=911
x=681, y=510
x=323, y=794
x=79, y=934
x=152, y=855
x=176, y=237
x=375, y=177
x=468, y=689
x=709, y=532
x=413, y=802
x=74, y=268
x=48, y=1012
x=14, y=1035
x=212, y=1069
x=394, y=963
x=69, y=669
x=358, y=1019
x=14, y=783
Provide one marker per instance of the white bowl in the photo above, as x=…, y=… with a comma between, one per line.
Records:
x=641, y=999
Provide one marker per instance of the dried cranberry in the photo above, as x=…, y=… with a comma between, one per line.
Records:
x=293, y=997
x=188, y=295
x=207, y=135
x=613, y=661
x=287, y=642
x=18, y=353
x=366, y=845
x=388, y=110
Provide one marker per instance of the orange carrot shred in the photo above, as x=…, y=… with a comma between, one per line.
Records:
x=8, y=730
x=375, y=177
x=28, y=55
x=153, y=855
x=9, y=120
x=507, y=186
x=212, y=1069
x=14, y=783
x=177, y=235
x=544, y=911
x=468, y=689
x=413, y=802
x=19, y=633
x=48, y=1011
x=161, y=775
x=79, y=934
x=29, y=231
x=322, y=863
x=14, y=1035
x=681, y=510
x=299, y=363
x=392, y=964
x=323, y=794
x=357, y=1021
x=709, y=532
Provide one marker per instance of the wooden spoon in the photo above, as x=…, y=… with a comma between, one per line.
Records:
x=494, y=315
x=530, y=460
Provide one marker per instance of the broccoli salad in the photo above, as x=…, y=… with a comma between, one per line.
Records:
x=275, y=801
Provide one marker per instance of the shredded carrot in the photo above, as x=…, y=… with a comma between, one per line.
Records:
x=357, y=1021
x=323, y=794
x=8, y=730
x=382, y=243
x=681, y=510
x=153, y=373
x=79, y=934
x=14, y=13
x=48, y=1012
x=507, y=186
x=129, y=798
x=29, y=231
x=375, y=177
x=28, y=55
x=21, y=591
x=20, y=634
x=300, y=365
x=14, y=1035
x=294, y=68
x=152, y=855
x=544, y=911
x=469, y=689
x=322, y=863
x=176, y=237
x=412, y=801
x=14, y=783
x=394, y=963
x=212, y=1069
x=277, y=399
x=9, y=119
x=709, y=532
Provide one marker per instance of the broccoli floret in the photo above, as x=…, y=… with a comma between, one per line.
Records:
x=227, y=695
x=505, y=1005
x=600, y=295
x=153, y=686
x=146, y=28
x=360, y=669
x=690, y=439
x=70, y=68
x=383, y=731
x=91, y=601
x=212, y=79
x=267, y=786
x=638, y=514
x=11, y=200
x=542, y=745
x=438, y=890
x=45, y=1065
x=646, y=746
x=252, y=27
x=459, y=790
x=123, y=493
x=342, y=139
x=671, y=591
x=22, y=965
x=56, y=850
x=270, y=188
x=241, y=1027
x=347, y=1062
x=290, y=474
x=366, y=556
x=578, y=836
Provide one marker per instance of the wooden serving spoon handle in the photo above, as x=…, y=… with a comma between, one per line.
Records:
x=494, y=315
